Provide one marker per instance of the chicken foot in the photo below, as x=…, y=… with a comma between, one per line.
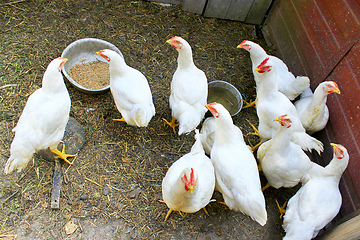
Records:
x=249, y=104
x=255, y=133
x=172, y=124
x=62, y=154
x=282, y=209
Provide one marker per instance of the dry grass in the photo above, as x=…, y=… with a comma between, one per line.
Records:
x=114, y=186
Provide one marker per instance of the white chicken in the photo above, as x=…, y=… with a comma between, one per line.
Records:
x=43, y=120
x=283, y=162
x=288, y=84
x=189, y=89
x=314, y=114
x=190, y=181
x=130, y=90
x=208, y=134
x=236, y=171
x=271, y=103
x=318, y=201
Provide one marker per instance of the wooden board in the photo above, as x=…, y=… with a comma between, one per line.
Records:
x=249, y=11
x=194, y=6
x=348, y=230
x=217, y=8
x=179, y=2
x=258, y=11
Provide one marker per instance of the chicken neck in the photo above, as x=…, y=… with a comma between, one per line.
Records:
x=224, y=130
x=281, y=139
x=53, y=82
x=117, y=66
x=318, y=99
x=336, y=168
x=257, y=55
x=185, y=58
x=268, y=87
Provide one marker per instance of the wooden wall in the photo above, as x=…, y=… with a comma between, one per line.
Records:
x=248, y=11
x=320, y=39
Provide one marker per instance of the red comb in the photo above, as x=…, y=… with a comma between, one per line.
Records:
x=192, y=177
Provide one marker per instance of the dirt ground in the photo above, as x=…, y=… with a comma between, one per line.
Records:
x=112, y=190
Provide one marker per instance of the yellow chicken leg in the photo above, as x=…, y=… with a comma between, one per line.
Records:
x=206, y=212
x=168, y=214
x=265, y=187
x=250, y=104
x=256, y=132
x=282, y=209
x=172, y=124
x=62, y=154
x=119, y=120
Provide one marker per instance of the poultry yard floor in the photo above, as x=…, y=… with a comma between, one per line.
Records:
x=112, y=190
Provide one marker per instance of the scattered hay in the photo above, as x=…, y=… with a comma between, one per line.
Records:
x=113, y=187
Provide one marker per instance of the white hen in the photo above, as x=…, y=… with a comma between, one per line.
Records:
x=189, y=89
x=314, y=114
x=283, y=162
x=43, y=120
x=208, y=134
x=236, y=171
x=271, y=103
x=190, y=181
x=130, y=90
x=288, y=84
x=318, y=201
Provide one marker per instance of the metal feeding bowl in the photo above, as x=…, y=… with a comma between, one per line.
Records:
x=83, y=51
x=226, y=94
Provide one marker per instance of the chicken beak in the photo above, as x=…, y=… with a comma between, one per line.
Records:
x=191, y=189
x=239, y=46
x=333, y=145
x=63, y=63
x=212, y=110
x=277, y=119
x=102, y=55
x=207, y=106
x=257, y=69
x=337, y=91
x=169, y=41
